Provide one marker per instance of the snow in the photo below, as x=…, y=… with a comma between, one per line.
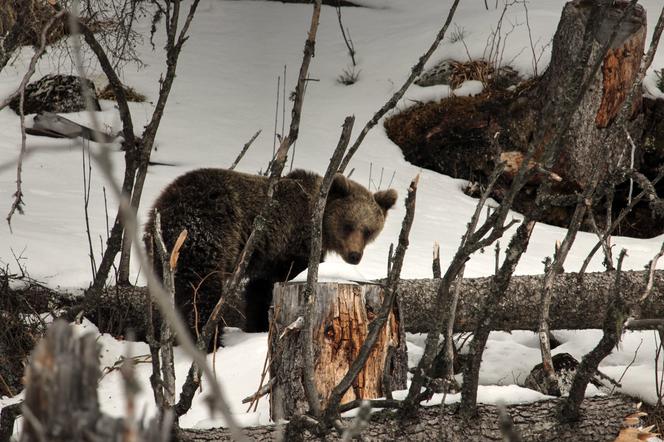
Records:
x=334, y=270
x=225, y=90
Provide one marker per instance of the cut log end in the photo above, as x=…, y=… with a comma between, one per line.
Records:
x=342, y=315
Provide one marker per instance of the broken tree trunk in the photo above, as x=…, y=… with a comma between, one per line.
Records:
x=461, y=136
x=601, y=421
x=343, y=314
x=591, y=141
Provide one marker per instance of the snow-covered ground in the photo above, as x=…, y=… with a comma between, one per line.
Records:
x=226, y=90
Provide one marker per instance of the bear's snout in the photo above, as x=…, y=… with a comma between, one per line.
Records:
x=354, y=257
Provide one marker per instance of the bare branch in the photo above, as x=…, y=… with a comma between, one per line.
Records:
x=244, y=150
x=18, y=195
x=232, y=285
x=613, y=327
x=314, y=259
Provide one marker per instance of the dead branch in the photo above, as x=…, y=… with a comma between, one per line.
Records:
x=516, y=248
x=587, y=69
x=174, y=45
x=613, y=328
x=314, y=259
x=556, y=268
x=349, y=43
x=435, y=264
x=18, y=195
x=131, y=228
x=61, y=402
x=601, y=420
x=244, y=150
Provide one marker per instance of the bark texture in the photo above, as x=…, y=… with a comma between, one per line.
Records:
x=585, y=144
x=576, y=305
x=342, y=315
x=601, y=420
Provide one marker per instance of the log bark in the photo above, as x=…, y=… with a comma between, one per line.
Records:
x=601, y=420
x=342, y=316
x=576, y=305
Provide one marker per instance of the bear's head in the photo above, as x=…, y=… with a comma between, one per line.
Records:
x=353, y=217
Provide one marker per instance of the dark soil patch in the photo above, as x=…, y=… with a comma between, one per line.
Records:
x=455, y=137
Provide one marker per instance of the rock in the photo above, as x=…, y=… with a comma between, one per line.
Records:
x=438, y=74
x=55, y=93
x=565, y=367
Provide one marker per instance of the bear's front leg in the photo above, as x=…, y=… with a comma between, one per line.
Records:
x=258, y=297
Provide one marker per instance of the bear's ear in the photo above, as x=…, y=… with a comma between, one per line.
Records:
x=340, y=186
x=386, y=199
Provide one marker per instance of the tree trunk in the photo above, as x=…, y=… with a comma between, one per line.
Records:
x=343, y=313
x=601, y=420
x=590, y=140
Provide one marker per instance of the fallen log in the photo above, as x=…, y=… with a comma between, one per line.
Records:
x=601, y=421
x=577, y=304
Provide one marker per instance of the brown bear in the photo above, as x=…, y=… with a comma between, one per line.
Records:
x=218, y=207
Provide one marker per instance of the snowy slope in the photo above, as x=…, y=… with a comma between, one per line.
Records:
x=226, y=89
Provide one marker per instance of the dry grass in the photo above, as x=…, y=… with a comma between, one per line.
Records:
x=462, y=71
x=131, y=94
x=655, y=417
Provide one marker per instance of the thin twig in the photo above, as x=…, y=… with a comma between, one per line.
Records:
x=17, y=204
x=244, y=150
x=347, y=40
x=314, y=259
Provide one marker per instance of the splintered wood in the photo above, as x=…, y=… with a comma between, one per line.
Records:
x=343, y=313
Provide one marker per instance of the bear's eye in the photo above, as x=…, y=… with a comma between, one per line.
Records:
x=367, y=233
x=348, y=228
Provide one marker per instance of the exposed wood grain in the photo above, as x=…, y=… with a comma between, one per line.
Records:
x=342, y=315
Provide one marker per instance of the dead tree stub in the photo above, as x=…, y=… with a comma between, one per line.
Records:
x=343, y=314
x=587, y=144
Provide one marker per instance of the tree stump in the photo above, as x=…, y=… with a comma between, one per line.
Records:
x=343, y=313
x=585, y=145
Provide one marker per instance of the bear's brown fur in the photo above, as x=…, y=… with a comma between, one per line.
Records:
x=218, y=207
